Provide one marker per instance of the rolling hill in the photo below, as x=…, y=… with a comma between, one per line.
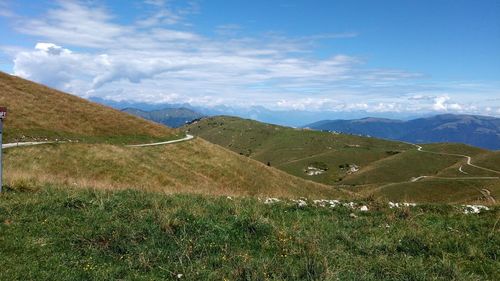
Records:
x=171, y=117
x=360, y=164
x=294, y=150
x=481, y=131
x=100, y=160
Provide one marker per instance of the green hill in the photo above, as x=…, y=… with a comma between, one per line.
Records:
x=361, y=164
x=294, y=150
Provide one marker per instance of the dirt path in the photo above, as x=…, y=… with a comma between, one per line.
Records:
x=454, y=178
x=462, y=171
x=186, y=138
x=29, y=143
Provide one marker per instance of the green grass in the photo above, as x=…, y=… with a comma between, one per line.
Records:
x=65, y=234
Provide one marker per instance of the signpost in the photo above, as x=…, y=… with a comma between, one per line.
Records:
x=3, y=115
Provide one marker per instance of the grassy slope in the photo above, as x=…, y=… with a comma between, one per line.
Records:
x=413, y=163
x=195, y=166
x=292, y=150
x=39, y=112
x=436, y=189
x=127, y=235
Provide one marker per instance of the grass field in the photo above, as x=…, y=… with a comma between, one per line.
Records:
x=68, y=234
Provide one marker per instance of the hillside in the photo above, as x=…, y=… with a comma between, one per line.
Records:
x=171, y=117
x=37, y=112
x=294, y=150
x=194, y=167
x=481, y=131
x=363, y=165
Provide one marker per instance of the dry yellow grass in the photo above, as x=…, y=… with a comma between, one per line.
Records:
x=193, y=167
x=36, y=111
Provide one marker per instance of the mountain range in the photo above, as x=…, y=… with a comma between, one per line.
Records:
x=172, y=117
x=481, y=131
x=289, y=117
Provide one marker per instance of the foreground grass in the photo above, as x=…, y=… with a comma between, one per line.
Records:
x=64, y=234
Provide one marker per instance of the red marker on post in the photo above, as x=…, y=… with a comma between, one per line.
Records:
x=3, y=115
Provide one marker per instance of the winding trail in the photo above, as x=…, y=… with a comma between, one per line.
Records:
x=31, y=143
x=186, y=138
x=469, y=159
x=461, y=171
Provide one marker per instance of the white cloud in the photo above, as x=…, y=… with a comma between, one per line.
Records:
x=439, y=103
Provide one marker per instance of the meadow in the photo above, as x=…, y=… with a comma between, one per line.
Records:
x=61, y=233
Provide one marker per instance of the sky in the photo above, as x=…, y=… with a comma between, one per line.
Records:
x=386, y=56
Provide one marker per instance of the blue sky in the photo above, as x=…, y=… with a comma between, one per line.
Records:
x=406, y=56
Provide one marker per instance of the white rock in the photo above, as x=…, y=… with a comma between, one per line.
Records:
x=300, y=202
x=474, y=209
x=325, y=202
x=363, y=208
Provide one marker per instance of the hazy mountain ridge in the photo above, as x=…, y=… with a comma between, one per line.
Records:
x=172, y=117
x=290, y=117
x=481, y=131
